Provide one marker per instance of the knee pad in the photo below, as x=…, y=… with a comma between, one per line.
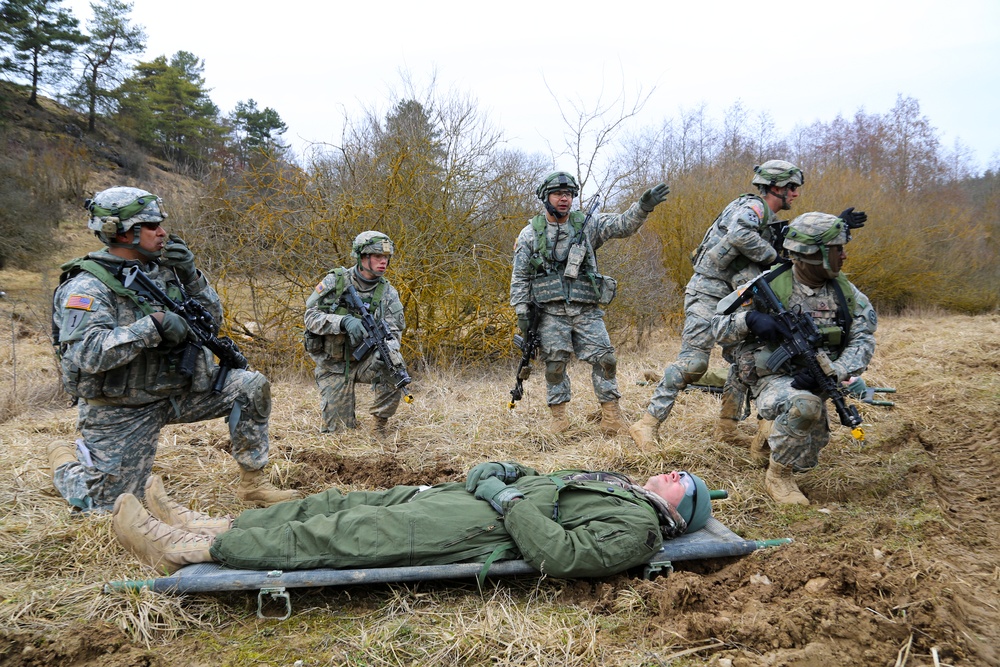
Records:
x=804, y=411
x=258, y=398
x=555, y=371
x=691, y=368
x=607, y=366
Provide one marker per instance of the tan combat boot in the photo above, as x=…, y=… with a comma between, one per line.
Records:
x=560, y=420
x=726, y=431
x=174, y=514
x=60, y=454
x=760, y=449
x=781, y=487
x=644, y=432
x=159, y=545
x=611, y=418
x=255, y=487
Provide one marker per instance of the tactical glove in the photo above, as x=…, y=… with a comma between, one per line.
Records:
x=857, y=387
x=523, y=322
x=179, y=257
x=497, y=494
x=766, y=327
x=174, y=329
x=653, y=196
x=805, y=381
x=505, y=472
x=354, y=328
x=854, y=219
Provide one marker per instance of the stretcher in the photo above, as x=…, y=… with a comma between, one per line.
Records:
x=712, y=541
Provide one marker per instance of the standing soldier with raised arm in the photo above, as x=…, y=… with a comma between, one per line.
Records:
x=334, y=330
x=736, y=248
x=121, y=357
x=555, y=268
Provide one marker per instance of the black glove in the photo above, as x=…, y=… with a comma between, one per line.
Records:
x=354, y=328
x=179, y=257
x=805, y=381
x=767, y=327
x=653, y=196
x=505, y=472
x=174, y=329
x=498, y=494
x=854, y=219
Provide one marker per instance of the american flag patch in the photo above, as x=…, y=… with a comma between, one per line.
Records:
x=319, y=288
x=79, y=301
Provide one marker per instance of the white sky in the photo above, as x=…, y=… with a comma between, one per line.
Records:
x=797, y=61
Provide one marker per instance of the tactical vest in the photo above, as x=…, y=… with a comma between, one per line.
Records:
x=99, y=271
x=548, y=284
x=721, y=255
x=835, y=338
x=152, y=375
x=336, y=346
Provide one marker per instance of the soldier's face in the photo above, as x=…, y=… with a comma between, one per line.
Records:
x=837, y=256
x=561, y=201
x=374, y=266
x=669, y=486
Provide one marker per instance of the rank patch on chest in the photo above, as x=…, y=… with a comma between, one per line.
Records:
x=79, y=302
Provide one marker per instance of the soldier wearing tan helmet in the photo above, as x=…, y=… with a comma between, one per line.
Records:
x=813, y=283
x=119, y=356
x=555, y=270
x=334, y=330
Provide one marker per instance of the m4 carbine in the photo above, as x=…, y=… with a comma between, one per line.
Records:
x=528, y=345
x=377, y=337
x=201, y=322
x=801, y=348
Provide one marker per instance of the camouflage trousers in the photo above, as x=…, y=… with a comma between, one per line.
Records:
x=801, y=427
x=586, y=336
x=336, y=382
x=697, y=341
x=118, y=444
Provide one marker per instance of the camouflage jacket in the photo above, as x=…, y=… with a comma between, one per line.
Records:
x=109, y=347
x=326, y=340
x=850, y=357
x=560, y=236
x=736, y=248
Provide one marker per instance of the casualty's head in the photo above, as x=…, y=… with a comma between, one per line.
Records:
x=815, y=242
x=372, y=251
x=687, y=493
x=128, y=218
x=779, y=179
x=557, y=192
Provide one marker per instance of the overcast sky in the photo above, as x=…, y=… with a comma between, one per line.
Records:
x=799, y=62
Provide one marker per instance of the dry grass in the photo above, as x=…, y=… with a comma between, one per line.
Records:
x=884, y=496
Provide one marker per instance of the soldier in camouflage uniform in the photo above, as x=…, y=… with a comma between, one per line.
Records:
x=813, y=283
x=333, y=331
x=119, y=356
x=555, y=268
x=736, y=248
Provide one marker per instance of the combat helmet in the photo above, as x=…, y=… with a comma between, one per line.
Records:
x=116, y=210
x=812, y=232
x=371, y=243
x=777, y=173
x=557, y=180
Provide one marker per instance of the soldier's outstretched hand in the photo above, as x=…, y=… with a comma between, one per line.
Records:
x=654, y=196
